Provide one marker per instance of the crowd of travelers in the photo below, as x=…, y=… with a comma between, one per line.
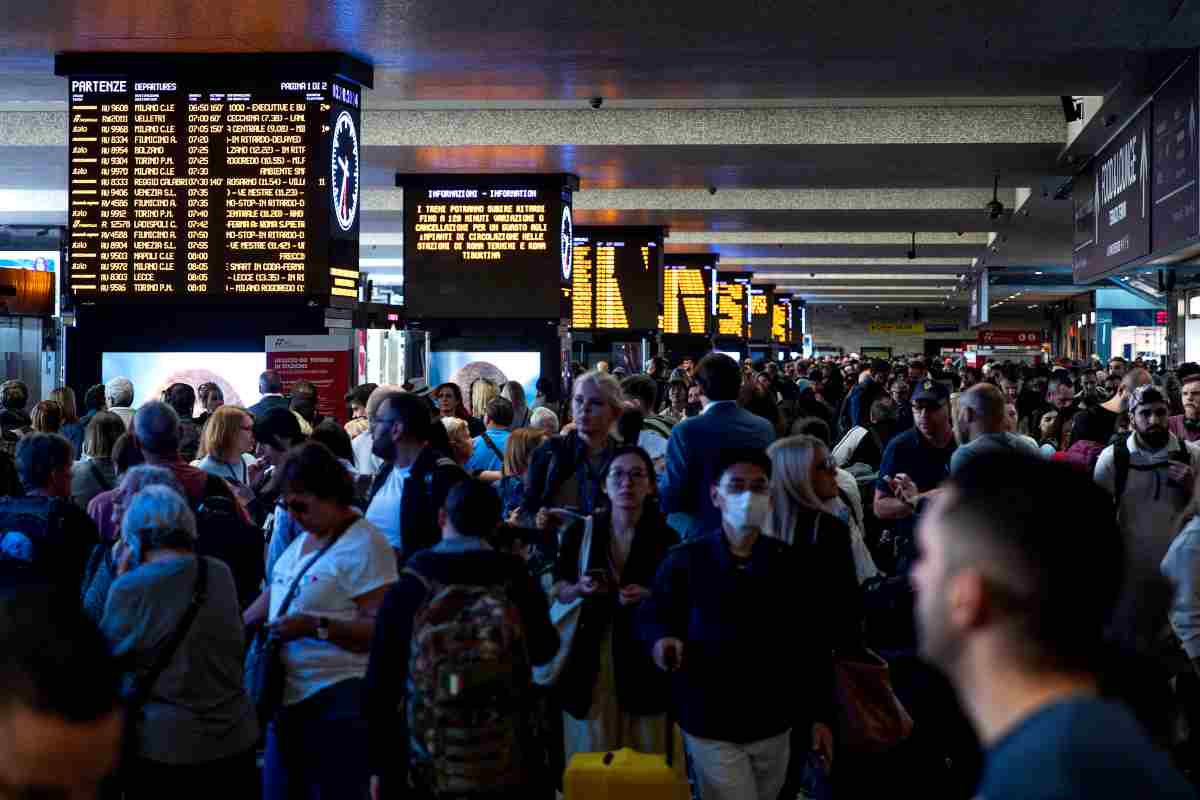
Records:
x=832, y=577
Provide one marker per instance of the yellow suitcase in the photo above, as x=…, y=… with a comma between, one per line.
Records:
x=626, y=775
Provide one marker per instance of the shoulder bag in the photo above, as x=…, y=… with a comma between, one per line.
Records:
x=565, y=617
x=263, y=676
x=870, y=717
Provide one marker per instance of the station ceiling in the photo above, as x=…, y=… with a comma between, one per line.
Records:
x=830, y=132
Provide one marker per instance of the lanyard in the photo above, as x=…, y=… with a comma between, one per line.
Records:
x=585, y=476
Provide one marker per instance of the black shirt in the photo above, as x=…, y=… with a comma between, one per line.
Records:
x=912, y=454
x=1079, y=748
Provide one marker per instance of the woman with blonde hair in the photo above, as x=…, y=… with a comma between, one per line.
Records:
x=226, y=446
x=803, y=486
x=71, y=427
x=517, y=453
x=483, y=391
x=460, y=439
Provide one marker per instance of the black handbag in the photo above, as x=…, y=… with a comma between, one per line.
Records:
x=263, y=675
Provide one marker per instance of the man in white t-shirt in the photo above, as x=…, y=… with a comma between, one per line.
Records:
x=413, y=482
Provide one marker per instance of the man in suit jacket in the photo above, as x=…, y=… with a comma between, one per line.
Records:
x=696, y=444
x=270, y=386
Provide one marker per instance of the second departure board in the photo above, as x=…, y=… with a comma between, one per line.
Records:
x=486, y=246
x=615, y=284
x=687, y=286
x=731, y=304
x=761, y=299
x=196, y=184
x=781, y=320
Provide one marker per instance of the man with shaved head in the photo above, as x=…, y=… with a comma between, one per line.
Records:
x=1113, y=415
x=982, y=426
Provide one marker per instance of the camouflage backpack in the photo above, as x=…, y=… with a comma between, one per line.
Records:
x=470, y=710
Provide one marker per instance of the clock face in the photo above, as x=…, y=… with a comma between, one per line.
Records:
x=566, y=244
x=344, y=171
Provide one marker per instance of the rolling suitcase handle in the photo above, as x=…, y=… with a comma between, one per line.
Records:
x=608, y=757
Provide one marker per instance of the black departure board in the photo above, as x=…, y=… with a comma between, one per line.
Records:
x=688, y=284
x=487, y=246
x=761, y=298
x=781, y=320
x=798, y=313
x=731, y=304
x=1175, y=217
x=615, y=278
x=1119, y=208
x=190, y=181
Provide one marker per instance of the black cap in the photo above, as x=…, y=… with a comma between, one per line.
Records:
x=1146, y=394
x=277, y=426
x=879, y=365
x=931, y=391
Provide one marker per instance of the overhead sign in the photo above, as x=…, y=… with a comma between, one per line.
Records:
x=615, y=278
x=978, y=313
x=197, y=186
x=1175, y=217
x=687, y=285
x=1010, y=338
x=487, y=246
x=761, y=299
x=731, y=304
x=904, y=328
x=1119, y=210
x=324, y=361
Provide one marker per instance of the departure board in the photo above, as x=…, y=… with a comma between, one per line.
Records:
x=731, y=304
x=761, y=298
x=192, y=183
x=687, y=286
x=486, y=246
x=615, y=279
x=781, y=320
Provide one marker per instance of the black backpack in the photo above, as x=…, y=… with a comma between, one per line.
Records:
x=1122, y=465
x=28, y=528
x=223, y=534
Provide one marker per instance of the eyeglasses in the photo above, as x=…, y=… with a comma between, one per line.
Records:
x=619, y=476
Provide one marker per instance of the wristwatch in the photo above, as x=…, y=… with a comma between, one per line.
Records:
x=323, y=628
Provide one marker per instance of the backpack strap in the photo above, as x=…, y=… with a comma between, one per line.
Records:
x=493, y=447
x=1121, y=459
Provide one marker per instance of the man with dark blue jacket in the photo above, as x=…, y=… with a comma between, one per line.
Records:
x=696, y=444
x=712, y=620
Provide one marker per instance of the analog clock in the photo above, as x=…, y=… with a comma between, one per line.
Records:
x=566, y=244
x=344, y=171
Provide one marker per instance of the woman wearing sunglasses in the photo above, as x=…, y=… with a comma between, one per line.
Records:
x=611, y=691
x=341, y=568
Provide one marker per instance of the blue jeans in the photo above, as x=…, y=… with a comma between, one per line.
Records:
x=317, y=748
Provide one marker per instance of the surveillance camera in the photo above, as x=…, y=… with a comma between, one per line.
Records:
x=712, y=190
x=812, y=274
x=959, y=233
x=995, y=209
x=912, y=255
x=596, y=102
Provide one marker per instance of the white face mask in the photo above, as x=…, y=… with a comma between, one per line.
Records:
x=746, y=510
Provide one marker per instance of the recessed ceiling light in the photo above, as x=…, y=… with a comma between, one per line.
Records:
x=1038, y=272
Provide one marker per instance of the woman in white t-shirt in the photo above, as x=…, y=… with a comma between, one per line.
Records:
x=317, y=744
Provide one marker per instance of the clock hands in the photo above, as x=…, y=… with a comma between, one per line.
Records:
x=345, y=165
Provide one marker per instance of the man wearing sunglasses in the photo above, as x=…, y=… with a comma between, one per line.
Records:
x=414, y=480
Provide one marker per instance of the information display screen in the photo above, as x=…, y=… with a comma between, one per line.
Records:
x=1175, y=217
x=1119, y=208
x=731, y=304
x=486, y=246
x=761, y=299
x=781, y=320
x=687, y=287
x=188, y=185
x=615, y=278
